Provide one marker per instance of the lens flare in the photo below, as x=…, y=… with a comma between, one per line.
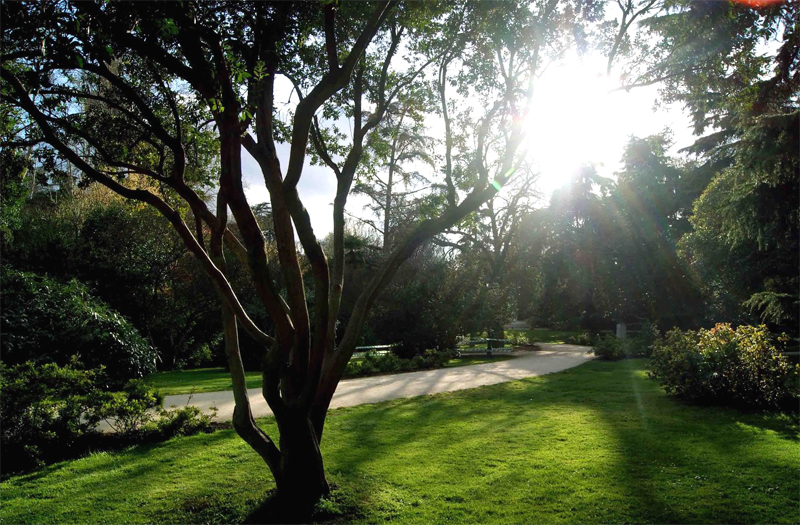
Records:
x=760, y=3
x=498, y=182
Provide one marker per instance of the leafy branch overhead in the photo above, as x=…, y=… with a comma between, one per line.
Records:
x=175, y=91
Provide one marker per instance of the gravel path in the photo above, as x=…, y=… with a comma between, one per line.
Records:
x=551, y=358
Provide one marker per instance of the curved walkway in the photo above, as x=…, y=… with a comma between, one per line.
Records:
x=551, y=358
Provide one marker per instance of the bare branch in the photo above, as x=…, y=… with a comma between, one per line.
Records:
x=330, y=84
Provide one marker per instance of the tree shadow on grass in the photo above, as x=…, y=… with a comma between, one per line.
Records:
x=663, y=459
x=599, y=443
x=93, y=489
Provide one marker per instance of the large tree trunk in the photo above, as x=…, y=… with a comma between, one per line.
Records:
x=301, y=480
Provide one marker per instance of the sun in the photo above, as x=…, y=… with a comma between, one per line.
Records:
x=578, y=118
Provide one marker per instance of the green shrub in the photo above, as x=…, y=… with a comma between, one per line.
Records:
x=45, y=412
x=390, y=363
x=643, y=341
x=439, y=358
x=518, y=337
x=130, y=411
x=353, y=369
x=43, y=320
x=727, y=366
x=182, y=421
x=609, y=348
x=50, y=413
x=418, y=362
x=583, y=339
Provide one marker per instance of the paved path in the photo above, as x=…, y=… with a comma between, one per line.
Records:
x=552, y=358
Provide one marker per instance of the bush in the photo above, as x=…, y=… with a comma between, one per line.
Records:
x=582, y=339
x=646, y=338
x=726, y=366
x=518, y=338
x=45, y=321
x=609, y=348
x=182, y=421
x=50, y=413
x=389, y=363
x=45, y=412
x=130, y=411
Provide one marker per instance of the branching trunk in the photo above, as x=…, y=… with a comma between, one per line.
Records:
x=301, y=480
x=182, y=47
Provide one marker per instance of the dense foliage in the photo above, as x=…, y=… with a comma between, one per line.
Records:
x=738, y=75
x=46, y=410
x=49, y=413
x=157, y=104
x=390, y=363
x=129, y=258
x=45, y=321
x=611, y=348
x=724, y=365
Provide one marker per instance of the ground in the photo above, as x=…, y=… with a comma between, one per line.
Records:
x=374, y=389
x=199, y=380
x=599, y=443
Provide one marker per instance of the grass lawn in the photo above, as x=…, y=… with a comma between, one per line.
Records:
x=599, y=443
x=216, y=379
x=536, y=335
x=198, y=380
x=543, y=335
x=467, y=360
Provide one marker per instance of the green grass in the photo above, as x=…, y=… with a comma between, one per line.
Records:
x=543, y=335
x=599, y=443
x=468, y=360
x=217, y=379
x=536, y=335
x=198, y=380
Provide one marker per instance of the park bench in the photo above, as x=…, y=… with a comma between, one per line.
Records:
x=361, y=351
x=488, y=350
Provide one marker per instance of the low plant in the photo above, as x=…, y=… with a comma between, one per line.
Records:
x=518, y=338
x=136, y=415
x=127, y=412
x=582, y=339
x=724, y=365
x=610, y=348
x=389, y=363
x=49, y=413
x=646, y=338
x=46, y=411
x=181, y=421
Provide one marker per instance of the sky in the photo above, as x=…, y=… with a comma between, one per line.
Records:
x=577, y=119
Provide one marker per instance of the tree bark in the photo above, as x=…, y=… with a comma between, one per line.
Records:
x=301, y=480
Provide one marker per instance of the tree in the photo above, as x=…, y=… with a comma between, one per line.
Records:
x=576, y=228
x=128, y=257
x=398, y=142
x=734, y=66
x=490, y=238
x=649, y=207
x=175, y=91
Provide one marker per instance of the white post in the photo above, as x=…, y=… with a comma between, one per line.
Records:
x=622, y=331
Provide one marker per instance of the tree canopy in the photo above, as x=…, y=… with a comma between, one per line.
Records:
x=423, y=107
